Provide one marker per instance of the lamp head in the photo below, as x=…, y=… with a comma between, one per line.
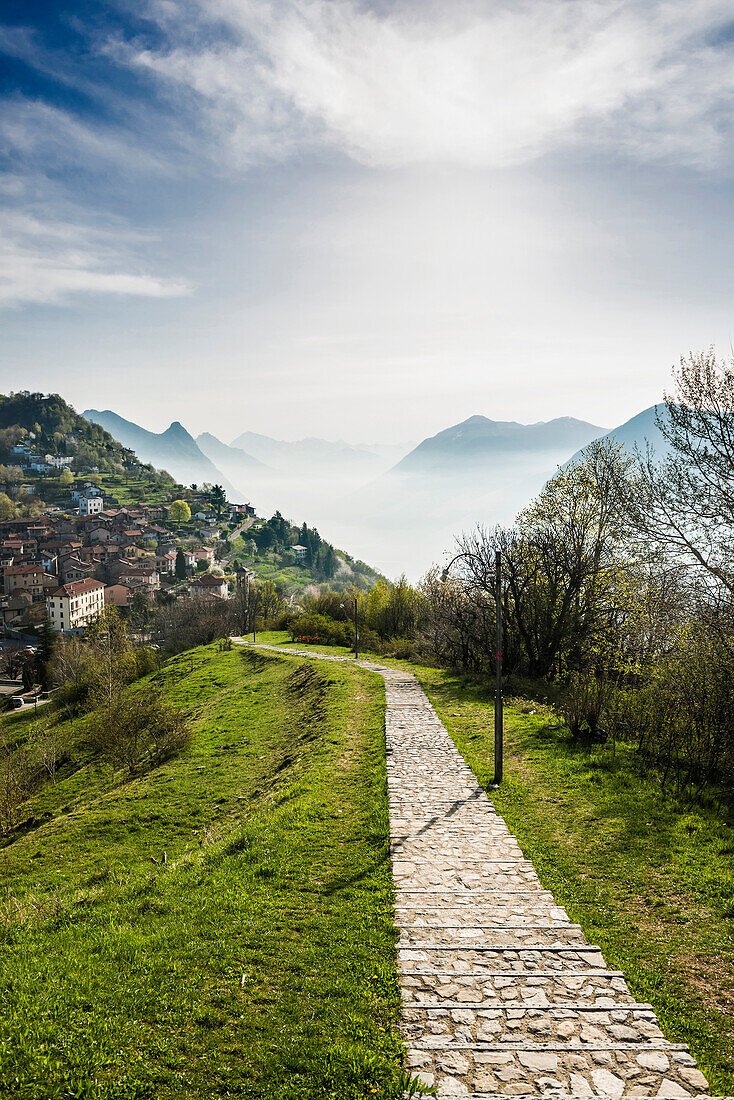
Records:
x=445, y=575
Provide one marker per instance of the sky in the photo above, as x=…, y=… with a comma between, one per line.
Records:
x=364, y=221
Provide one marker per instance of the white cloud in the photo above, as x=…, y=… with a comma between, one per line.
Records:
x=38, y=133
x=46, y=260
x=470, y=83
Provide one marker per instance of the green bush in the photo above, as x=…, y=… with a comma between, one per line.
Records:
x=583, y=702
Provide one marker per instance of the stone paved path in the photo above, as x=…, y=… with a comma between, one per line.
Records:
x=502, y=995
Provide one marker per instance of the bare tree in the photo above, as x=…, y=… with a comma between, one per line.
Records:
x=559, y=563
x=188, y=623
x=685, y=501
x=460, y=621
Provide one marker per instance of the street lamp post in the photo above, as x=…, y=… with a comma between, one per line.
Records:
x=356, y=629
x=250, y=610
x=498, y=700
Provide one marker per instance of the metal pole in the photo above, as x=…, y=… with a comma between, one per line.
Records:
x=498, y=703
x=356, y=632
x=247, y=598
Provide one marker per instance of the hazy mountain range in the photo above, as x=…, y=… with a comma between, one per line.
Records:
x=399, y=508
x=324, y=454
x=174, y=450
x=478, y=441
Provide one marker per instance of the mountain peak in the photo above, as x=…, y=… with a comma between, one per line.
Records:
x=478, y=441
x=176, y=428
x=174, y=450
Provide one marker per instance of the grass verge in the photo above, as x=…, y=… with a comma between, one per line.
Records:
x=259, y=959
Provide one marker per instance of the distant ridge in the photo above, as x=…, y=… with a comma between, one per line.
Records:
x=174, y=449
x=478, y=440
x=637, y=432
x=314, y=453
x=220, y=453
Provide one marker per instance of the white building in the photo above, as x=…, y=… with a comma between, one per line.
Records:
x=300, y=552
x=73, y=606
x=59, y=461
x=90, y=505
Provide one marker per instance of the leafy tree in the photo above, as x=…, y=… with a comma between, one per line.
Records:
x=66, y=479
x=7, y=508
x=270, y=599
x=264, y=538
x=180, y=566
x=218, y=499
x=330, y=562
x=140, y=613
x=179, y=512
x=47, y=642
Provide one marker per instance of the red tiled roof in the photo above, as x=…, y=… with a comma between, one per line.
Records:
x=76, y=588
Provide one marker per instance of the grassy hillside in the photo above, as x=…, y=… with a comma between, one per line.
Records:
x=258, y=961
x=295, y=579
x=58, y=428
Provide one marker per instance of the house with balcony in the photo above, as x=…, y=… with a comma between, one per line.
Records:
x=73, y=606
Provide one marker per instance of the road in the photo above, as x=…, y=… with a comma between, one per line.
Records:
x=225, y=561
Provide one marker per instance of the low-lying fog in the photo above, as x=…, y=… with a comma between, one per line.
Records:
x=399, y=522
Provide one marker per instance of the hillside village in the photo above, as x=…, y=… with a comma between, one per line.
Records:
x=84, y=524
x=84, y=549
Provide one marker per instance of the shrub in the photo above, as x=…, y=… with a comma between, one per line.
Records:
x=17, y=782
x=583, y=702
x=139, y=727
x=169, y=729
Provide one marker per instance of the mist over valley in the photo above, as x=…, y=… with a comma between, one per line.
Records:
x=400, y=508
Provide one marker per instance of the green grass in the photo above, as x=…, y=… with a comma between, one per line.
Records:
x=283, y=638
x=259, y=961
x=650, y=879
x=131, y=490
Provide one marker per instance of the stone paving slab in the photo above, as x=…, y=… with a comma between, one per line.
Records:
x=492, y=957
x=612, y=1073
x=503, y=998
x=411, y=916
x=505, y=935
x=570, y=1024
x=541, y=987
